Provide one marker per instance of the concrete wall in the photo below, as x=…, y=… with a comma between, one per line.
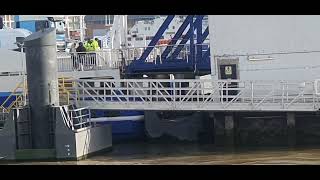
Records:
x=93, y=140
x=241, y=35
x=75, y=145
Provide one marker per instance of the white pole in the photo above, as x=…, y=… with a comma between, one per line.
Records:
x=125, y=29
x=67, y=26
x=24, y=77
x=81, y=28
x=213, y=63
x=145, y=40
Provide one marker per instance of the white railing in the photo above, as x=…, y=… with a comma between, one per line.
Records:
x=203, y=94
x=112, y=58
x=80, y=117
x=136, y=52
x=87, y=61
x=76, y=119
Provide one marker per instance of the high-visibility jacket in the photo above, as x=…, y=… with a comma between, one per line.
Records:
x=95, y=45
x=86, y=45
x=89, y=46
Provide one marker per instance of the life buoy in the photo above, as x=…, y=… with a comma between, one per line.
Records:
x=164, y=41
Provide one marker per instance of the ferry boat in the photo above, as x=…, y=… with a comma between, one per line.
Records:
x=126, y=124
x=143, y=31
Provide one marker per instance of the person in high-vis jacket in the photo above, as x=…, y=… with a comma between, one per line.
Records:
x=89, y=45
x=91, y=55
x=96, y=44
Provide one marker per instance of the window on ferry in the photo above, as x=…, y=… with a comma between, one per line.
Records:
x=149, y=28
x=129, y=38
x=139, y=39
x=145, y=28
x=173, y=27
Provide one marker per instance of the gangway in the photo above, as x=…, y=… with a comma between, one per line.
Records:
x=89, y=61
x=199, y=95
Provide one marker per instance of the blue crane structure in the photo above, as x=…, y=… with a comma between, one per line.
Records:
x=196, y=60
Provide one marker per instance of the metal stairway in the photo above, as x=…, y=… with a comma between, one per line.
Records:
x=17, y=98
x=66, y=91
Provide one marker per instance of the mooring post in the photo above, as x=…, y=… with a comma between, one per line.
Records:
x=41, y=60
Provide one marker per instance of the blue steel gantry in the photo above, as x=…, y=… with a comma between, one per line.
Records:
x=197, y=54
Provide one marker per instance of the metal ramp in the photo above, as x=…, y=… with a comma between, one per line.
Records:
x=198, y=95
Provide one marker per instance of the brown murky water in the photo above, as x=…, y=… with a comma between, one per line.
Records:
x=192, y=154
x=248, y=132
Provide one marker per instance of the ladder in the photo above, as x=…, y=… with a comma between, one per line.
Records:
x=20, y=95
x=66, y=90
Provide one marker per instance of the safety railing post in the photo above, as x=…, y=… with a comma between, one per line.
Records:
x=313, y=95
x=221, y=91
x=174, y=92
x=252, y=94
x=227, y=90
x=282, y=95
x=273, y=98
x=104, y=91
x=287, y=93
x=160, y=55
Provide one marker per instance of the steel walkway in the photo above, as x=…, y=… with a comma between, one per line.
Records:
x=196, y=94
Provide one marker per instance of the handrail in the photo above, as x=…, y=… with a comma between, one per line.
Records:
x=199, y=94
x=110, y=58
x=81, y=117
x=19, y=97
x=67, y=91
